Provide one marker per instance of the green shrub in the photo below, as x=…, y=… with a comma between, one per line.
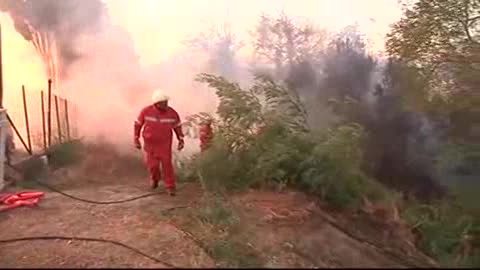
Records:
x=59, y=155
x=64, y=154
x=278, y=153
x=442, y=228
x=332, y=169
x=264, y=143
x=460, y=161
x=32, y=169
x=217, y=212
x=260, y=143
x=219, y=169
x=184, y=169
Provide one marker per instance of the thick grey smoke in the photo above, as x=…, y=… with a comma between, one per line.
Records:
x=54, y=27
x=402, y=145
x=220, y=46
x=94, y=60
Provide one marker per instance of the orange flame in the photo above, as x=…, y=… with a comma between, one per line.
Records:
x=21, y=66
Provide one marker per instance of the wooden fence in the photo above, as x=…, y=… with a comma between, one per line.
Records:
x=56, y=121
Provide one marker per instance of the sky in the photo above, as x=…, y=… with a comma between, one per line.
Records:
x=158, y=27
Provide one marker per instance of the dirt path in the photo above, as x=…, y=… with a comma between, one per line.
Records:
x=277, y=229
x=131, y=223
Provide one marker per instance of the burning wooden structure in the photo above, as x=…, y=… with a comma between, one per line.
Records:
x=53, y=107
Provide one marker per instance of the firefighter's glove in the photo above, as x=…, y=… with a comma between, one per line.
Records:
x=181, y=144
x=137, y=143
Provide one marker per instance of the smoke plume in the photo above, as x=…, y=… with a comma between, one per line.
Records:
x=401, y=145
x=53, y=27
x=92, y=62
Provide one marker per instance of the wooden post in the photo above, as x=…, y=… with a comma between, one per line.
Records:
x=59, y=126
x=49, y=114
x=67, y=121
x=18, y=134
x=44, y=135
x=27, y=123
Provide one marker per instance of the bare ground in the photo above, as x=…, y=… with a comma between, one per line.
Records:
x=270, y=229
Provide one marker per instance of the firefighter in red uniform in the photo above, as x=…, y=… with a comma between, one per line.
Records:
x=158, y=120
x=205, y=134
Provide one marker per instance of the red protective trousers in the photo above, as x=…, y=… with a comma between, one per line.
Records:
x=157, y=136
x=155, y=159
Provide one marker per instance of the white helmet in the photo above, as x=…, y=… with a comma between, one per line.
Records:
x=159, y=96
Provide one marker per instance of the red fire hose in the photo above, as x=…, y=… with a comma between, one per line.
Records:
x=14, y=200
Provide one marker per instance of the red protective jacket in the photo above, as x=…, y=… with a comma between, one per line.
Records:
x=157, y=128
x=157, y=137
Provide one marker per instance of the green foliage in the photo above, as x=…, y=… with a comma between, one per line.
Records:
x=224, y=234
x=238, y=110
x=462, y=158
x=282, y=104
x=219, y=169
x=32, y=169
x=217, y=212
x=441, y=40
x=433, y=33
x=274, y=145
x=466, y=196
x=242, y=112
x=410, y=85
x=332, y=169
x=278, y=153
x=444, y=228
x=247, y=128
x=61, y=155
x=237, y=106
x=230, y=249
x=184, y=171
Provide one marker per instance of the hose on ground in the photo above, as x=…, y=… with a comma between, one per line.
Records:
x=96, y=202
x=87, y=200
x=87, y=239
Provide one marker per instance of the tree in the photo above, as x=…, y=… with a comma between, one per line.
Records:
x=441, y=38
x=287, y=44
x=348, y=67
x=292, y=52
x=221, y=47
